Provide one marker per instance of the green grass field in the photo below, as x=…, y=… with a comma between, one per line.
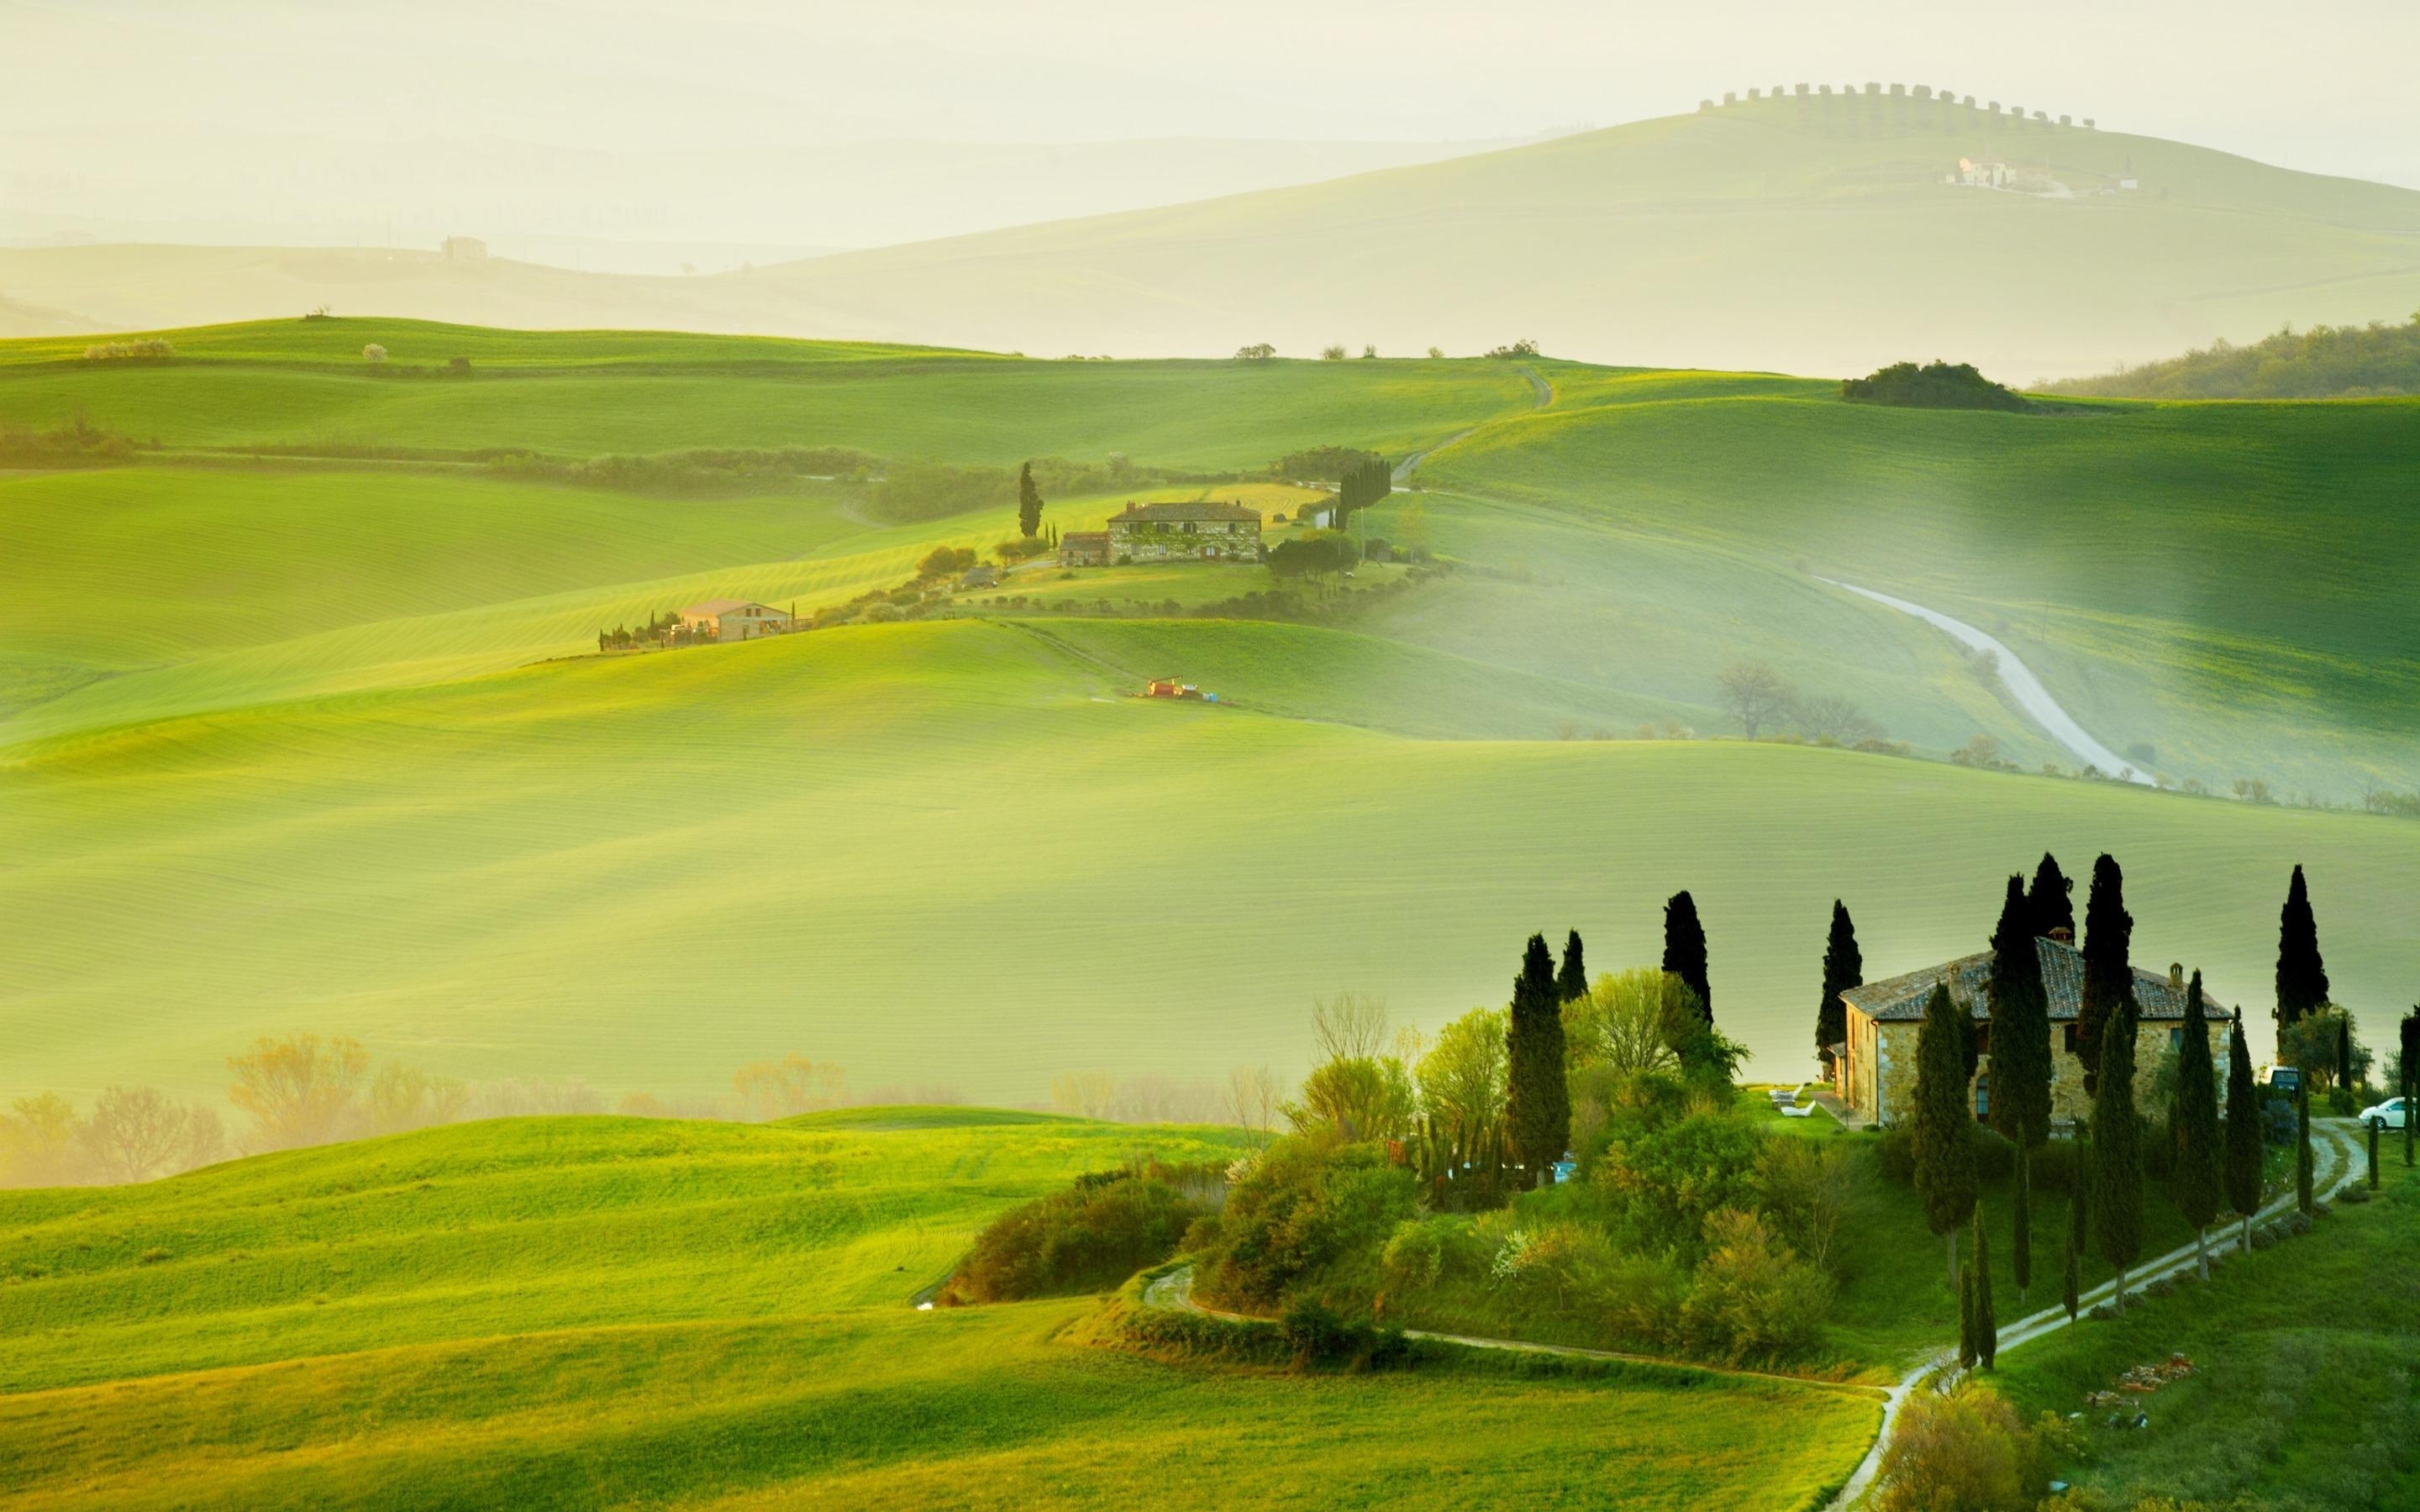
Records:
x=275, y=753
x=584, y=1312
x=2305, y=1358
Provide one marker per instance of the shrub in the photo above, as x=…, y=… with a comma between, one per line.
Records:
x=1663, y=1181
x=1415, y=1256
x=1302, y=1205
x=1965, y=1452
x=1104, y=1228
x=152, y=349
x=1751, y=1297
x=1933, y=386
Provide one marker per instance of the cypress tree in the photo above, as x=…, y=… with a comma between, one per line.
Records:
x=2195, y=1184
x=2019, y=1057
x=2242, y=1133
x=1966, y=1329
x=2078, y=1201
x=1946, y=1179
x=1987, y=1323
x=2303, y=1147
x=2108, y=973
x=2117, y=1151
x=1572, y=980
x=2302, y=980
x=1538, y=1107
x=1844, y=967
x=2410, y=1077
x=1684, y=949
x=2050, y=902
x=1029, y=501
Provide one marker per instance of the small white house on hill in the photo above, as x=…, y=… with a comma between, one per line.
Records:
x=735, y=619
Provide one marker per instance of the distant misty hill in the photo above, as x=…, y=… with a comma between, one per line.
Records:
x=1823, y=234
x=2324, y=363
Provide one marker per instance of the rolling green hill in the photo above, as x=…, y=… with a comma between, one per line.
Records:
x=531, y=872
x=276, y=753
x=585, y=1311
x=1814, y=236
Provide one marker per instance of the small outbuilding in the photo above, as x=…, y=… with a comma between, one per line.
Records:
x=981, y=575
x=735, y=619
x=1084, y=549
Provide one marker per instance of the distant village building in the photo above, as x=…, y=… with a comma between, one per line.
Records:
x=981, y=575
x=1982, y=173
x=735, y=619
x=1873, y=1067
x=1184, y=533
x=463, y=249
x=1084, y=549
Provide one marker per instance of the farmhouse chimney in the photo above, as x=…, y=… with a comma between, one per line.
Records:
x=2063, y=934
x=2175, y=976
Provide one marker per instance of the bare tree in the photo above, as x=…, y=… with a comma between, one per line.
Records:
x=205, y=1139
x=1349, y=1026
x=38, y=1142
x=134, y=1133
x=1252, y=1098
x=405, y=1097
x=787, y=1088
x=1086, y=1094
x=1830, y=717
x=297, y=1088
x=1754, y=694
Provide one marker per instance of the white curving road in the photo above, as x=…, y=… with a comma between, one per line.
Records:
x=2021, y=684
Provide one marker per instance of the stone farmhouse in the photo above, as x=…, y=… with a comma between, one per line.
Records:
x=1083, y=549
x=1183, y=533
x=734, y=619
x=1873, y=1068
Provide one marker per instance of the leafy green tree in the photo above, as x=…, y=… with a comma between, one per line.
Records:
x=1029, y=501
x=1844, y=967
x=2195, y=1183
x=2243, y=1169
x=1684, y=949
x=2301, y=977
x=2021, y=1064
x=1570, y=982
x=2050, y=899
x=2108, y=973
x=1462, y=1083
x=1539, y=1102
x=2118, y=1150
x=1987, y=1322
x=1946, y=1177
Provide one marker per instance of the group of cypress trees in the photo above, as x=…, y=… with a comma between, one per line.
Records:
x=1366, y=479
x=1538, y=1103
x=1029, y=501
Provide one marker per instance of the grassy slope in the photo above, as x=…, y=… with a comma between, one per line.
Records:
x=571, y=1312
x=2306, y=1355
x=2221, y=583
x=520, y=873
x=596, y=393
x=1818, y=238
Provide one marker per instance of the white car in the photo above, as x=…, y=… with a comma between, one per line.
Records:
x=2387, y=1115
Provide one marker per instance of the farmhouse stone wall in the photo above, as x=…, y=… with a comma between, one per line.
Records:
x=1888, y=1072
x=1185, y=540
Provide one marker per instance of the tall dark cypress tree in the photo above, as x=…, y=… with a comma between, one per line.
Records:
x=2195, y=1184
x=1966, y=1351
x=1684, y=949
x=2108, y=971
x=2118, y=1150
x=1944, y=1128
x=2303, y=1147
x=2051, y=902
x=2410, y=1077
x=2079, y=1208
x=2021, y=1064
x=1538, y=1106
x=2243, y=1131
x=2302, y=980
x=1844, y=967
x=1029, y=501
x=1987, y=1322
x=1572, y=980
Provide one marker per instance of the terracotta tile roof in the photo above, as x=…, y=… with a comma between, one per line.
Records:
x=726, y=606
x=1153, y=514
x=2062, y=968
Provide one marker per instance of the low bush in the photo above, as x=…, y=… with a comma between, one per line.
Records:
x=1303, y=1205
x=1104, y=1228
x=1751, y=1297
x=1967, y=1451
x=1320, y=1337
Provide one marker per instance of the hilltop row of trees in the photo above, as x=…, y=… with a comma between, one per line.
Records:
x=2323, y=362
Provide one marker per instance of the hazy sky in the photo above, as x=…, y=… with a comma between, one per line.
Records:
x=2324, y=84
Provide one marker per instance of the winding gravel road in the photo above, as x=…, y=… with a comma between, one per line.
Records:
x=2021, y=684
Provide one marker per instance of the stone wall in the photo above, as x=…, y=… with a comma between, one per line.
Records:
x=1222, y=540
x=1893, y=1066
